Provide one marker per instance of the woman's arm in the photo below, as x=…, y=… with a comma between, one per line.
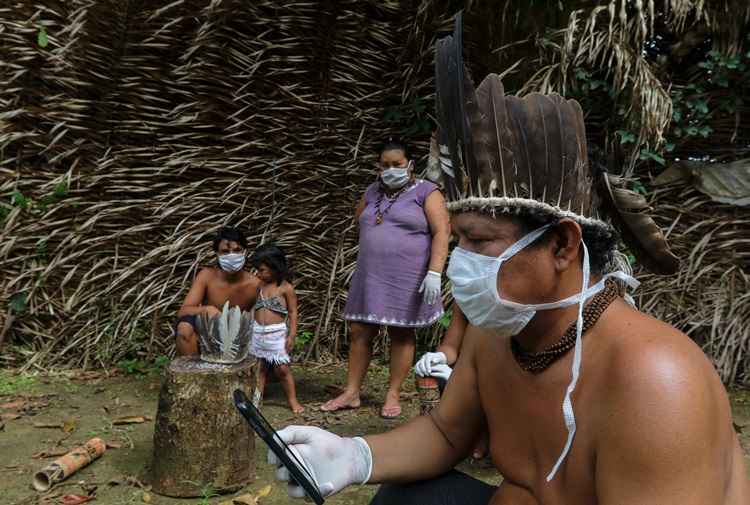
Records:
x=440, y=228
x=451, y=344
x=360, y=208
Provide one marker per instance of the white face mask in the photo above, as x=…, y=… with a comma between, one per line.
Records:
x=396, y=177
x=232, y=262
x=475, y=278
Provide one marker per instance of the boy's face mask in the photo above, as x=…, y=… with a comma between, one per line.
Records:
x=232, y=262
x=475, y=279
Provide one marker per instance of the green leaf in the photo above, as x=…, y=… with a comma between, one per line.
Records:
x=18, y=303
x=708, y=65
x=669, y=147
x=18, y=199
x=676, y=115
x=41, y=37
x=705, y=131
x=639, y=188
x=691, y=131
x=701, y=106
x=61, y=190
x=41, y=249
x=625, y=136
x=678, y=132
x=445, y=320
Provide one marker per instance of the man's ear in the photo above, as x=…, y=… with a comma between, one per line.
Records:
x=567, y=243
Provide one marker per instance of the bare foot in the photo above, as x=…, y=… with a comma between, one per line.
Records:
x=391, y=408
x=296, y=407
x=343, y=401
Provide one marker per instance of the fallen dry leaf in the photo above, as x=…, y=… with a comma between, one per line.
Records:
x=69, y=426
x=9, y=417
x=264, y=492
x=52, y=453
x=74, y=499
x=13, y=405
x=130, y=420
x=114, y=445
x=146, y=498
x=245, y=499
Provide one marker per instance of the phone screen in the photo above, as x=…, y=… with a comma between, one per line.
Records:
x=297, y=471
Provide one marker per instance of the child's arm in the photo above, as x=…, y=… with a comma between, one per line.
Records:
x=291, y=305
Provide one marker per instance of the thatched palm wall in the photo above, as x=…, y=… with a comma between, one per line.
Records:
x=167, y=120
x=143, y=126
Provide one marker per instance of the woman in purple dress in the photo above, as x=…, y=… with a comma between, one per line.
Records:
x=403, y=244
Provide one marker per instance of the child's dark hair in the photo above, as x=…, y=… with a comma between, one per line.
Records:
x=393, y=144
x=274, y=258
x=230, y=235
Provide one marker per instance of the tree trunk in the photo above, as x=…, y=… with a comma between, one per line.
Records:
x=201, y=441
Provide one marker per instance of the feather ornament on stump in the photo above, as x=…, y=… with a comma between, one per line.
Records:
x=226, y=337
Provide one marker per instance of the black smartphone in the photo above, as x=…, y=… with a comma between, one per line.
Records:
x=265, y=431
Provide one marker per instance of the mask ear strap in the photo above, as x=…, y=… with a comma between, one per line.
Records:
x=526, y=240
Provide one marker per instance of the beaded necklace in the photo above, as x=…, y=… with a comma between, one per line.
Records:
x=537, y=362
x=380, y=214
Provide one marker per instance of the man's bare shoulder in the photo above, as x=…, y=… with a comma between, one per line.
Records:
x=644, y=351
x=206, y=274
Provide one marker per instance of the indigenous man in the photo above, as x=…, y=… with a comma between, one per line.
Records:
x=634, y=413
x=214, y=286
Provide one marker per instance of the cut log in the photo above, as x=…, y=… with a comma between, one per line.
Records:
x=201, y=441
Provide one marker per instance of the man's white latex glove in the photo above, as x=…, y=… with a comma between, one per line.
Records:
x=441, y=372
x=423, y=368
x=431, y=287
x=334, y=462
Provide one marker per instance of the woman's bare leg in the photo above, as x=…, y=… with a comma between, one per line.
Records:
x=360, y=352
x=403, y=345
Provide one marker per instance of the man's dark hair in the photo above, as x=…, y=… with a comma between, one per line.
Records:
x=274, y=258
x=601, y=241
x=393, y=144
x=231, y=235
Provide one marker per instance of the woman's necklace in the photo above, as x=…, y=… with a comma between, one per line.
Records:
x=537, y=362
x=380, y=214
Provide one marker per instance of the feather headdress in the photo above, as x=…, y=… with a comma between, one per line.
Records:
x=504, y=153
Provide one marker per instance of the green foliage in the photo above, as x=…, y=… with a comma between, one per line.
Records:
x=18, y=303
x=412, y=117
x=302, y=340
x=18, y=199
x=140, y=368
x=13, y=384
x=41, y=38
x=445, y=320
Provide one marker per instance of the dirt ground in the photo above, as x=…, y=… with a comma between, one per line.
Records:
x=77, y=406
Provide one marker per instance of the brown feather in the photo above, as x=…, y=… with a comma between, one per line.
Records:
x=629, y=210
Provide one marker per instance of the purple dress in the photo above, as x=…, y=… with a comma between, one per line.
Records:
x=392, y=262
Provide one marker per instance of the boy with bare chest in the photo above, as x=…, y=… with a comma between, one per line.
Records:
x=214, y=286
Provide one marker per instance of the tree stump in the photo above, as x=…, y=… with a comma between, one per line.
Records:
x=201, y=441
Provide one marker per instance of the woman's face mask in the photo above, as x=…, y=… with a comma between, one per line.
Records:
x=395, y=177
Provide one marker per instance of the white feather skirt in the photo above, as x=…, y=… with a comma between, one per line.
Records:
x=269, y=343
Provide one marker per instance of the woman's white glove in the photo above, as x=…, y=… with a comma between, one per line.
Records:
x=423, y=368
x=333, y=462
x=431, y=287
